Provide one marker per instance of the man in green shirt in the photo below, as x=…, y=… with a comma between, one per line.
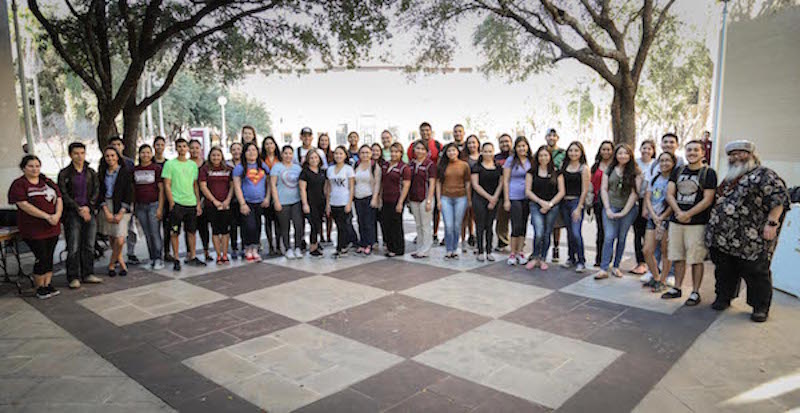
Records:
x=180, y=186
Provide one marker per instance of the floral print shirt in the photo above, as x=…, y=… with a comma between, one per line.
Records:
x=741, y=211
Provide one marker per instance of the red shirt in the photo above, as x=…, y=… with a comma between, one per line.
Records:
x=421, y=173
x=597, y=182
x=145, y=183
x=43, y=195
x=392, y=180
x=433, y=150
x=218, y=181
x=707, y=145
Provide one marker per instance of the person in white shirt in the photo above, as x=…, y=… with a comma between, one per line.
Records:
x=339, y=192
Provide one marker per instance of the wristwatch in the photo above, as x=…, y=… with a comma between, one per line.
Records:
x=772, y=223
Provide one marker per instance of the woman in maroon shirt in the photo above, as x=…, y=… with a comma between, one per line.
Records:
x=215, y=183
x=39, y=208
x=149, y=207
x=396, y=179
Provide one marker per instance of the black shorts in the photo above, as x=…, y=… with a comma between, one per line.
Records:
x=220, y=220
x=519, y=217
x=183, y=215
x=42, y=250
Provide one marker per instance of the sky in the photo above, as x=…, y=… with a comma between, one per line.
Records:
x=369, y=102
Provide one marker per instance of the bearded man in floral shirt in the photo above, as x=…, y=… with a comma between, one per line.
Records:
x=743, y=228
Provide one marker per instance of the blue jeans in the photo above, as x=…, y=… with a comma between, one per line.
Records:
x=367, y=222
x=542, y=228
x=453, y=210
x=574, y=235
x=146, y=214
x=615, y=230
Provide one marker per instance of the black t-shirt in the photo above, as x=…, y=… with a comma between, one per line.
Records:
x=315, y=185
x=689, y=191
x=489, y=179
x=545, y=187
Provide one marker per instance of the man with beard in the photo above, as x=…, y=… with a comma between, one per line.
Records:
x=458, y=137
x=743, y=228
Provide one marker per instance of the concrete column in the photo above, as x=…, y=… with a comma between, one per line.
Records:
x=10, y=133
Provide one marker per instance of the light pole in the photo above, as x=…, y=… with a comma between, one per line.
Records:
x=22, y=86
x=723, y=45
x=222, y=100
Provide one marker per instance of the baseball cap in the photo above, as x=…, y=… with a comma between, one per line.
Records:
x=305, y=131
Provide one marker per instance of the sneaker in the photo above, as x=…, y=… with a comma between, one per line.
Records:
x=235, y=254
x=169, y=258
x=316, y=254
x=92, y=279
x=158, y=265
x=658, y=287
x=521, y=260
x=298, y=253
x=649, y=284
x=43, y=293
x=672, y=293
x=74, y=284
x=480, y=257
x=580, y=268
x=647, y=277
x=512, y=260
x=123, y=273
x=196, y=262
x=176, y=265
x=500, y=248
x=133, y=260
x=471, y=240
x=555, y=255
x=759, y=316
x=52, y=290
x=719, y=304
x=567, y=264
x=290, y=254
x=489, y=257
x=441, y=243
x=670, y=281
x=694, y=299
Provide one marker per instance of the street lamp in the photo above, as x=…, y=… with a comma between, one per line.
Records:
x=222, y=100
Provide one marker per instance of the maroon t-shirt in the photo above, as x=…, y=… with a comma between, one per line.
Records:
x=392, y=180
x=218, y=181
x=421, y=173
x=43, y=195
x=145, y=183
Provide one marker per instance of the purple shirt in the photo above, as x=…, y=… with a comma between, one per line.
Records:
x=79, y=188
x=516, y=183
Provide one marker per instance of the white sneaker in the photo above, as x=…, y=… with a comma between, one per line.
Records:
x=158, y=265
x=298, y=253
x=512, y=260
x=646, y=277
x=521, y=259
x=289, y=254
x=671, y=281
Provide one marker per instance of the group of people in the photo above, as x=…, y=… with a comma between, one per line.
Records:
x=678, y=210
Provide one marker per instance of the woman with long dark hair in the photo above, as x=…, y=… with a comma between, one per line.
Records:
x=215, y=183
x=453, y=194
x=324, y=144
x=116, y=191
x=544, y=188
x=645, y=162
x=420, y=197
x=39, y=208
x=249, y=135
x=250, y=181
x=339, y=191
x=486, y=189
x=197, y=156
x=470, y=155
x=367, y=190
x=515, y=169
x=658, y=211
x=270, y=155
x=618, y=192
x=395, y=183
x=601, y=162
x=149, y=201
x=236, y=217
x=576, y=188
x=312, y=194
x=286, y=199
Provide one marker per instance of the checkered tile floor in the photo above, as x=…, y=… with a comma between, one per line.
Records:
x=370, y=334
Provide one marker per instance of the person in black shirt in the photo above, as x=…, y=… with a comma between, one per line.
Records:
x=486, y=188
x=312, y=195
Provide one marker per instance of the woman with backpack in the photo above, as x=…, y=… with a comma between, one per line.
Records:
x=250, y=181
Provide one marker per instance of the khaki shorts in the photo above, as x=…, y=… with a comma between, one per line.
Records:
x=686, y=243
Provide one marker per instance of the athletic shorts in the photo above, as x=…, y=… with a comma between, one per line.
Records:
x=219, y=219
x=183, y=215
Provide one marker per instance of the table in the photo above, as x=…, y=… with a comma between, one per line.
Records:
x=9, y=238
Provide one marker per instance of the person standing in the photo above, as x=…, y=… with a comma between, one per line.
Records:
x=149, y=209
x=486, y=189
x=515, y=169
x=367, y=191
x=216, y=185
x=133, y=232
x=339, y=190
x=470, y=154
x=420, y=197
x=434, y=147
x=116, y=190
x=159, y=146
x=707, y=147
x=395, y=183
x=576, y=189
x=236, y=216
x=284, y=177
x=690, y=194
x=39, y=207
x=324, y=144
x=79, y=189
x=648, y=152
x=458, y=138
x=743, y=229
x=306, y=139
x=501, y=229
x=249, y=135
x=453, y=192
x=270, y=155
x=619, y=191
x=558, y=155
x=544, y=189
x=352, y=150
x=386, y=152
x=658, y=213
x=601, y=162
x=251, y=185
x=183, y=193
x=196, y=155
x=312, y=195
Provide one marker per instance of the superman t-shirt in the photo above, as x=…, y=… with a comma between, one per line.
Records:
x=254, y=181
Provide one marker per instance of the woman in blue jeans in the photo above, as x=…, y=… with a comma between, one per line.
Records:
x=619, y=192
x=149, y=198
x=453, y=194
x=544, y=188
x=576, y=188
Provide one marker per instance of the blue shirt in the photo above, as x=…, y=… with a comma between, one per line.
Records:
x=254, y=181
x=288, y=191
x=110, y=180
x=516, y=183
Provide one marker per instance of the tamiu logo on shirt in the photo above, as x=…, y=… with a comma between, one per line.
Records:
x=47, y=192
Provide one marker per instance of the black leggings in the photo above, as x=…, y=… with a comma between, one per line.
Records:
x=165, y=224
x=393, y=235
x=236, y=224
x=484, y=221
x=639, y=227
x=271, y=227
x=344, y=225
x=315, y=218
x=291, y=213
x=202, y=228
x=519, y=217
x=251, y=226
x=597, y=208
x=43, y=250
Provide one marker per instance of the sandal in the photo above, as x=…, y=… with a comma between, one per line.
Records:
x=601, y=275
x=367, y=251
x=112, y=272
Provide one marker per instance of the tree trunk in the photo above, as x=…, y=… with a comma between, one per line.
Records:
x=106, y=128
x=131, y=116
x=623, y=113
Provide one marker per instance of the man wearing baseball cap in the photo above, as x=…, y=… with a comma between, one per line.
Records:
x=743, y=228
x=306, y=137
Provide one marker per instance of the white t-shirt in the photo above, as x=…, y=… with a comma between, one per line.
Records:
x=340, y=184
x=364, y=182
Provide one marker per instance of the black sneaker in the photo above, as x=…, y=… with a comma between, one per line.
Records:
x=436, y=239
x=176, y=265
x=316, y=253
x=672, y=293
x=720, y=304
x=556, y=257
x=43, y=293
x=759, y=316
x=471, y=241
x=52, y=290
x=133, y=260
x=169, y=258
x=196, y=262
x=694, y=299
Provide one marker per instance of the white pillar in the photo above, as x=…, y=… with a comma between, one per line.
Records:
x=10, y=133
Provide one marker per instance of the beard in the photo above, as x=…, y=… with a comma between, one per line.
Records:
x=737, y=169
